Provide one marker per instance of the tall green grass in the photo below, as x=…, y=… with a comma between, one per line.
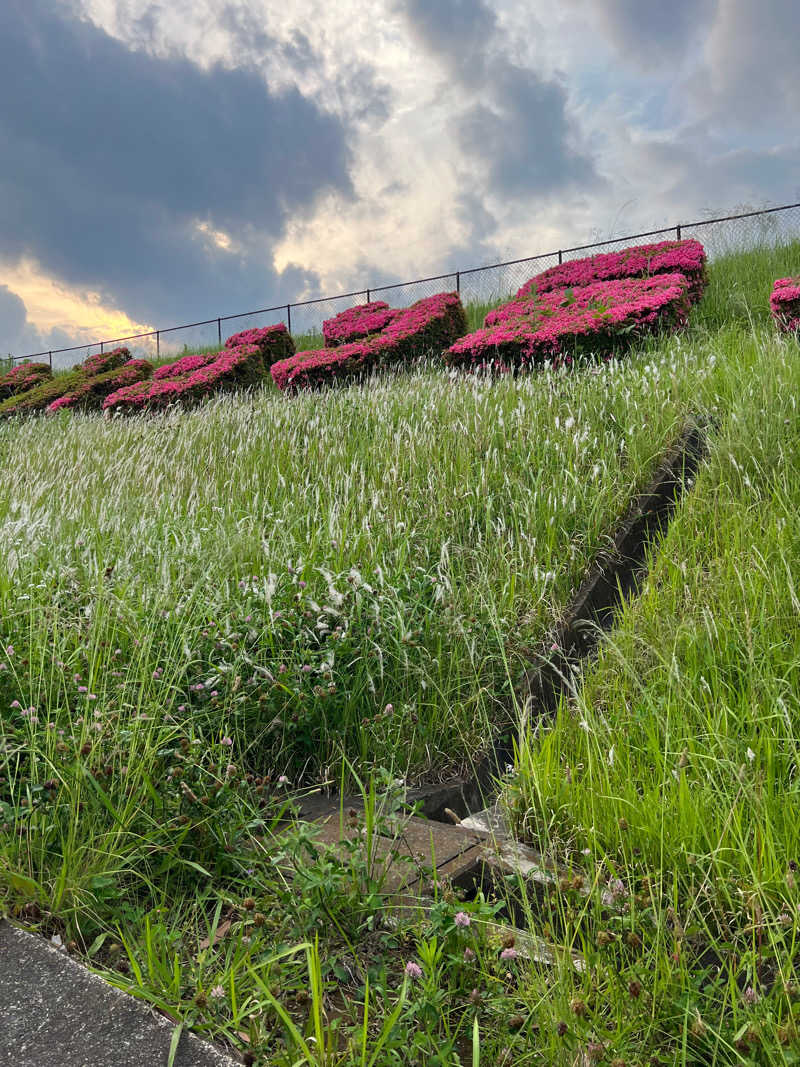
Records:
x=671, y=781
x=311, y=561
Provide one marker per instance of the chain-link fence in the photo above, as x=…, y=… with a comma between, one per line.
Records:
x=478, y=286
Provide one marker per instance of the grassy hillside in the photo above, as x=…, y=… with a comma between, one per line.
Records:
x=670, y=785
x=203, y=611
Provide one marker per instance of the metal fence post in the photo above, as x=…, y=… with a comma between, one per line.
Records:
x=366, y=293
x=560, y=257
x=219, y=330
x=101, y=347
x=158, y=344
x=51, y=360
x=458, y=281
x=678, y=231
x=289, y=317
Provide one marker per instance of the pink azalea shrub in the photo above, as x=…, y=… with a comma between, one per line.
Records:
x=430, y=325
x=275, y=342
x=666, y=257
x=232, y=368
x=88, y=393
x=598, y=318
x=182, y=366
x=22, y=378
x=104, y=361
x=357, y=322
x=42, y=395
x=784, y=304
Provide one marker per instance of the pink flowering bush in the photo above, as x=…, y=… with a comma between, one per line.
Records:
x=274, y=342
x=88, y=393
x=784, y=303
x=97, y=369
x=183, y=366
x=104, y=361
x=428, y=326
x=599, y=318
x=22, y=378
x=357, y=322
x=666, y=257
x=232, y=368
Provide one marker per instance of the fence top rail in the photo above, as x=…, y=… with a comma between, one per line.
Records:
x=417, y=281
x=743, y=215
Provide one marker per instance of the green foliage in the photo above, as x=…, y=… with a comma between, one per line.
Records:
x=38, y=398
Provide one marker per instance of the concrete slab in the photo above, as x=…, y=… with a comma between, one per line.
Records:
x=425, y=849
x=54, y=1011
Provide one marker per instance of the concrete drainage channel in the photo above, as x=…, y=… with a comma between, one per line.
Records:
x=461, y=835
x=616, y=575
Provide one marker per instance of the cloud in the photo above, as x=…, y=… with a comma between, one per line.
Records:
x=651, y=35
x=353, y=87
x=15, y=330
x=115, y=159
x=515, y=124
x=752, y=76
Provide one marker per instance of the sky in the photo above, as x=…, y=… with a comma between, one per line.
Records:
x=163, y=161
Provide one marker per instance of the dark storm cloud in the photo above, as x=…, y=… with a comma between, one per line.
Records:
x=110, y=155
x=519, y=128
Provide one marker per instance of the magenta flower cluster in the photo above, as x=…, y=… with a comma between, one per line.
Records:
x=275, y=342
x=22, y=378
x=185, y=365
x=427, y=327
x=557, y=324
x=357, y=322
x=640, y=261
x=104, y=361
x=784, y=304
x=232, y=368
x=89, y=392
